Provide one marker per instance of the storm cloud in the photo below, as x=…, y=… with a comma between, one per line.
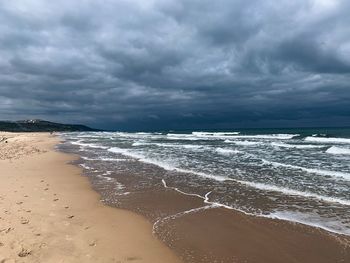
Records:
x=175, y=64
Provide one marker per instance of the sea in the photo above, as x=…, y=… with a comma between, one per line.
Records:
x=300, y=175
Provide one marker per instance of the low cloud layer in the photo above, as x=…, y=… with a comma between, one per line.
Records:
x=176, y=64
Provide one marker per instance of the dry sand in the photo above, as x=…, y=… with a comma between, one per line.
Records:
x=48, y=212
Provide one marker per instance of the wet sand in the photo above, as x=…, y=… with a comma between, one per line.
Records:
x=48, y=212
x=198, y=232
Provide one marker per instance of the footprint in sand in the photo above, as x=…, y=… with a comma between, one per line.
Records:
x=24, y=252
x=19, y=203
x=56, y=199
x=24, y=221
x=92, y=243
x=70, y=216
x=7, y=230
x=133, y=258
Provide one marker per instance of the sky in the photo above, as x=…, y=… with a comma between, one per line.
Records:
x=176, y=64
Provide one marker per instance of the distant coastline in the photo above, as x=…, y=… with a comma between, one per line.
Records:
x=41, y=126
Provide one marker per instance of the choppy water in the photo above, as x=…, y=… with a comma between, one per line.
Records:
x=298, y=175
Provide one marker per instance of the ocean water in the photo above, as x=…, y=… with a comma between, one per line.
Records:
x=300, y=175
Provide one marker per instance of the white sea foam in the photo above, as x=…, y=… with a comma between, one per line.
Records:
x=312, y=220
x=191, y=146
x=163, y=164
x=214, y=135
x=327, y=140
x=112, y=159
x=226, y=152
x=105, y=178
x=190, y=211
x=251, y=184
x=89, y=136
x=127, y=135
x=119, y=186
x=185, y=146
x=91, y=145
x=88, y=159
x=201, y=134
x=189, y=137
x=85, y=166
x=287, y=191
x=169, y=167
x=135, y=144
x=125, y=152
x=205, y=198
x=267, y=136
x=302, y=218
x=233, y=135
x=78, y=142
x=180, y=214
x=298, y=146
x=149, y=133
x=336, y=174
x=338, y=150
x=244, y=143
x=103, y=159
x=172, y=145
x=181, y=192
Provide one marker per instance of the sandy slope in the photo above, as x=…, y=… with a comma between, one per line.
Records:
x=48, y=212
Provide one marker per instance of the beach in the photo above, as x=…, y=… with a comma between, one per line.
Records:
x=50, y=213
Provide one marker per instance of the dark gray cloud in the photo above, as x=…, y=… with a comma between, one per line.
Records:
x=175, y=63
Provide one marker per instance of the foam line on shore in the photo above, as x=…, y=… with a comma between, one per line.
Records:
x=327, y=140
x=304, y=220
x=291, y=192
x=272, y=215
x=338, y=150
x=177, y=215
x=297, y=146
x=163, y=165
x=285, y=191
x=334, y=174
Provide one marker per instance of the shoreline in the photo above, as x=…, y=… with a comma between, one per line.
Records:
x=49, y=212
x=199, y=233
x=38, y=175
x=276, y=216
